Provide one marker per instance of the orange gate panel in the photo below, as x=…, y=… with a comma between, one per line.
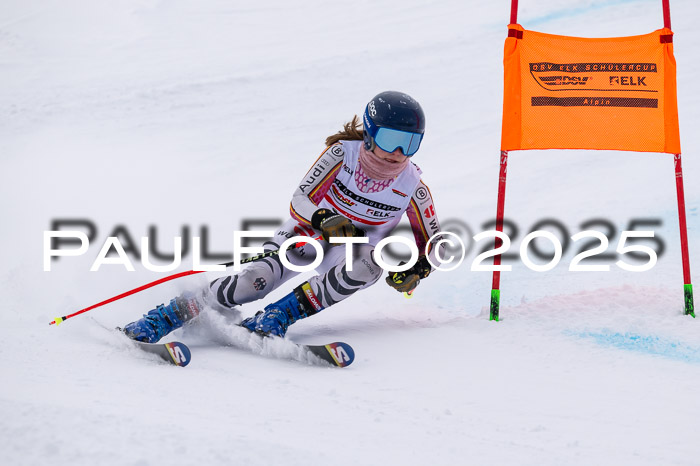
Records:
x=580, y=93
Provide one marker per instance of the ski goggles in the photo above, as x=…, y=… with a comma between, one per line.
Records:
x=391, y=139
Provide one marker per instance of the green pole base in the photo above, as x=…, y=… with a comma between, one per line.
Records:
x=688, y=294
x=495, y=304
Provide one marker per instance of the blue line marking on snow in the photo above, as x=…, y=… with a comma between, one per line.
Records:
x=576, y=11
x=649, y=344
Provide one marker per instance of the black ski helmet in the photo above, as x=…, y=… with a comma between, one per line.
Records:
x=396, y=111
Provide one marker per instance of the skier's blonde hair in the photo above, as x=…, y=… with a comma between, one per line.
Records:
x=352, y=131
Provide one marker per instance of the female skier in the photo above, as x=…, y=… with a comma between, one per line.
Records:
x=362, y=182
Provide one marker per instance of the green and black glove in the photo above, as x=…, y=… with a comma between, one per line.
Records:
x=408, y=280
x=331, y=223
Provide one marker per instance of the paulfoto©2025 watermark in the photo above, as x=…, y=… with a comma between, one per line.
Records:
x=113, y=252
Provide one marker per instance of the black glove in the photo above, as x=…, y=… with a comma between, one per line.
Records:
x=332, y=224
x=408, y=280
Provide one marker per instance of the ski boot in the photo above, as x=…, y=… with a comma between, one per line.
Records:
x=164, y=319
x=276, y=318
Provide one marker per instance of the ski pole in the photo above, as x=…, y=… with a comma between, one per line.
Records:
x=263, y=255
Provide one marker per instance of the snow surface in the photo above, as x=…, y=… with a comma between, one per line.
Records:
x=172, y=113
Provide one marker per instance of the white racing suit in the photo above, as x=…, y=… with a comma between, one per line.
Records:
x=330, y=183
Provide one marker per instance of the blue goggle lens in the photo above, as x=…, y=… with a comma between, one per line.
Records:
x=391, y=139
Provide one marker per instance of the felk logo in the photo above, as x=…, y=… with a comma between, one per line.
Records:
x=628, y=80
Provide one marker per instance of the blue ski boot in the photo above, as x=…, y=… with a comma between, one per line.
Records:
x=278, y=316
x=163, y=319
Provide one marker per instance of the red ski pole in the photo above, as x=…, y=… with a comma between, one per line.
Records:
x=58, y=320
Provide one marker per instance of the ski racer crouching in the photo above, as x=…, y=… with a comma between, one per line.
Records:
x=365, y=180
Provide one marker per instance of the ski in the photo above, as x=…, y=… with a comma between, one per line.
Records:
x=337, y=354
x=175, y=353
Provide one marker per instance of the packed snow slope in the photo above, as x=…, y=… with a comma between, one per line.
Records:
x=151, y=113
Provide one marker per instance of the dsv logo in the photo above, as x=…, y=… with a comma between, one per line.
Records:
x=564, y=80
